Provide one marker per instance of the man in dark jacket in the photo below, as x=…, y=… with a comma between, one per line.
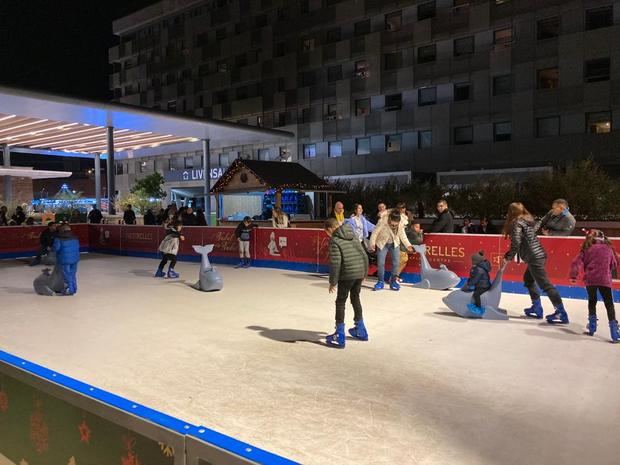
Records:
x=348, y=266
x=129, y=217
x=558, y=221
x=444, y=223
x=67, y=248
x=479, y=281
x=46, y=241
x=95, y=216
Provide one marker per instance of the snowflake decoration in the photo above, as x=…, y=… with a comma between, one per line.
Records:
x=168, y=451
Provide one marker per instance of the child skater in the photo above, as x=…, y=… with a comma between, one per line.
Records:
x=67, y=248
x=348, y=265
x=479, y=281
x=169, y=247
x=243, y=233
x=597, y=259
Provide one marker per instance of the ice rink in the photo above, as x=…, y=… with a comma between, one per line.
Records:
x=429, y=388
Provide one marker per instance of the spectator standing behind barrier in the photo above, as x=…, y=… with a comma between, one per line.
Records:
x=201, y=220
x=598, y=260
x=416, y=237
x=348, y=265
x=67, y=248
x=338, y=213
x=444, y=223
x=362, y=228
x=520, y=228
x=76, y=216
x=558, y=222
x=467, y=227
x=19, y=216
x=149, y=218
x=95, y=216
x=129, y=217
x=485, y=227
x=188, y=217
x=386, y=238
x=4, y=220
x=381, y=210
x=46, y=242
x=279, y=219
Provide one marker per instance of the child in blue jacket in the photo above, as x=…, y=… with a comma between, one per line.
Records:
x=479, y=281
x=67, y=248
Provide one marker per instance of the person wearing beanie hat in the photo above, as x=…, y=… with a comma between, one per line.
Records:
x=479, y=281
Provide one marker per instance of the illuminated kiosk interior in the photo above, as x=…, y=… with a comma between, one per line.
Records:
x=47, y=124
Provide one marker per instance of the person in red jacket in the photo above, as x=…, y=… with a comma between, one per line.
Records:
x=598, y=260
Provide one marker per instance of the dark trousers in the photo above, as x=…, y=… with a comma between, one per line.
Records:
x=344, y=288
x=607, y=299
x=477, y=293
x=168, y=256
x=536, y=274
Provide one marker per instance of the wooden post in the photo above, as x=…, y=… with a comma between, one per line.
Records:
x=279, y=199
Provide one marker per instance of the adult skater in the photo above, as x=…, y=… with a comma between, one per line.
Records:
x=362, y=228
x=243, y=233
x=386, y=238
x=558, y=221
x=598, y=260
x=348, y=265
x=520, y=228
x=67, y=248
x=46, y=241
x=169, y=247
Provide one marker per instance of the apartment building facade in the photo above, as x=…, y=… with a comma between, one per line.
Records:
x=380, y=88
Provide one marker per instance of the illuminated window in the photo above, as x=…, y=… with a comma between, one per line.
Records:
x=335, y=149
x=309, y=150
x=598, y=123
x=393, y=143
x=548, y=78
x=362, y=146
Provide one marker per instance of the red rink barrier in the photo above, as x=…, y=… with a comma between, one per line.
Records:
x=294, y=247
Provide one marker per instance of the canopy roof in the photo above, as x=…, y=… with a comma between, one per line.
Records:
x=45, y=122
x=254, y=175
x=34, y=174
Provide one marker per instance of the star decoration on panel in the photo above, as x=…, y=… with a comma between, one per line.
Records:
x=85, y=432
x=167, y=450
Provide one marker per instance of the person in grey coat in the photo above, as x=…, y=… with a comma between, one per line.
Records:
x=348, y=266
x=558, y=222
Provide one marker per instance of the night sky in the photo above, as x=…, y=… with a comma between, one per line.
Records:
x=60, y=46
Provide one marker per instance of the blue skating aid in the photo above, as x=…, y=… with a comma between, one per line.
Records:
x=458, y=301
x=433, y=278
x=209, y=278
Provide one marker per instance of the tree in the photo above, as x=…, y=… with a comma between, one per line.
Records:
x=150, y=186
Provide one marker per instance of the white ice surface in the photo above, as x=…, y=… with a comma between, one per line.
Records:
x=429, y=388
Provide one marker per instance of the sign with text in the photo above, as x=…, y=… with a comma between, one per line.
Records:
x=192, y=175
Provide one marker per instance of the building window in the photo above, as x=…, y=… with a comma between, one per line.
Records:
x=502, y=132
x=308, y=78
x=308, y=44
x=119, y=168
x=220, y=34
x=462, y=91
x=598, y=123
x=599, y=17
x=548, y=78
x=392, y=60
x=597, y=70
x=427, y=54
x=222, y=66
x=425, y=139
x=309, y=150
x=172, y=105
x=171, y=165
x=502, y=36
x=306, y=115
x=188, y=163
x=332, y=111
x=463, y=135
x=361, y=69
x=548, y=126
x=334, y=73
x=426, y=10
x=362, y=146
x=362, y=107
x=362, y=27
x=427, y=96
x=502, y=84
x=548, y=28
x=394, y=21
x=463, y=46
x=393, y=102
x=263, y=154
x=333, y=35
x=393, y=143
x=335, y=149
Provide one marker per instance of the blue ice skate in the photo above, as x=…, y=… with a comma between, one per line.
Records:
x=559, y=316
x=591, y=326
x=379, y=286
x=535, y=311
x=240, y=264
x=359, y=331
x=159, y=273
x=394, y=285
x=172, y=274
x=337, y=339
x=246, y=263
x=473, y=308
x=613, y=330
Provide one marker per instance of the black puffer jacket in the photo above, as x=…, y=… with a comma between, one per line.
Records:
x=524, y=242
x=479, y=277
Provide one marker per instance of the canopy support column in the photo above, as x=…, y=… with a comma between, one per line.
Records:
x=206, y=164
x=98, y=180
x=8, y=181
x=111, y=182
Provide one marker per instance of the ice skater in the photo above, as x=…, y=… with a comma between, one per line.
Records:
x=520, y=228
x=479, y=281
x=348, y=266
x=386, y=238
x=67, y=248
x=598, y=260
x=46, y=240
x=169, y=247
x=243, y=233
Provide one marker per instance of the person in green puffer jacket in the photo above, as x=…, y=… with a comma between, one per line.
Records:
x=348, y=266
